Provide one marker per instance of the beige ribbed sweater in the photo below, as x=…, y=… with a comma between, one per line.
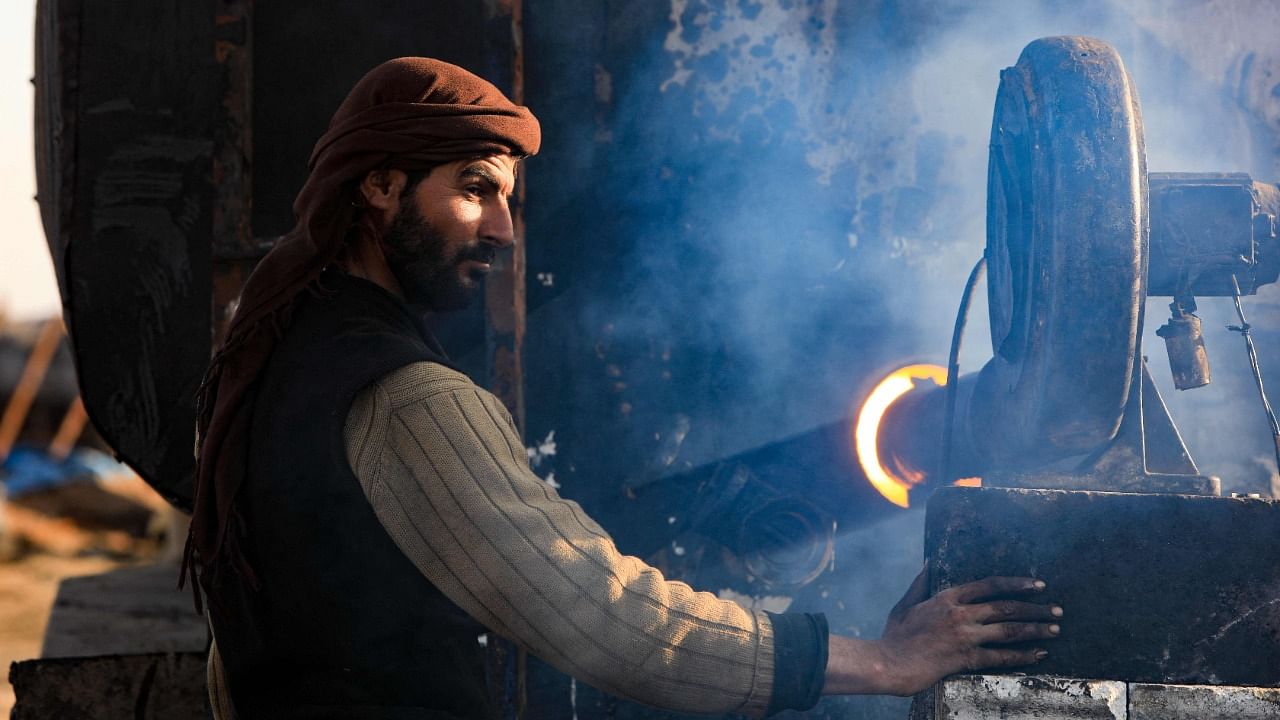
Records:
x=448, y=476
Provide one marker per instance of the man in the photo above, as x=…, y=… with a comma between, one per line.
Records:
x=364, y=511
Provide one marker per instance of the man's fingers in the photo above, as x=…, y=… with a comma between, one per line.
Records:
x=1011, y=610
x=991, y=587
x=916, y=594
x=1011, y=632
x=986, y=658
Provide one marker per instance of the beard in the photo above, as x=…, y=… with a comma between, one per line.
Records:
x=430, y=271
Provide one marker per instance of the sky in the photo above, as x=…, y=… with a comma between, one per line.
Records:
x=28, y=288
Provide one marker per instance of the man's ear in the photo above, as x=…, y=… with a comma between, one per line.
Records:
x=382, y=188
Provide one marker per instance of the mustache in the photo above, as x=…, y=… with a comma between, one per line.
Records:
x=480, y=253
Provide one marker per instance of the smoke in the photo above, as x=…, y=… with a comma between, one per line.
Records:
x=1206, y=77
x=799, y=188
x=771, y=203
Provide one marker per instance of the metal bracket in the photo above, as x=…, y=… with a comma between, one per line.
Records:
x=1147, y=455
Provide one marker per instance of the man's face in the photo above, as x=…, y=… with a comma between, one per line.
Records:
x=442, y=240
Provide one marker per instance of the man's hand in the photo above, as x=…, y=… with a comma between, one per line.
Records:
x=926, y=640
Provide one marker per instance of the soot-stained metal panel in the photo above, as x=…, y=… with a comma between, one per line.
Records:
x=1155, y=588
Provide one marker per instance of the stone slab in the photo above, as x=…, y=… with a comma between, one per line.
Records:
x=124, y=612
x=156, y=686
x=1041, y=697
x=1156, y=588
x=1198, y=702
x=1029, y=697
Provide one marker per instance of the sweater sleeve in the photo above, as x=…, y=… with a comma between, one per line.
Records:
x=448, y=477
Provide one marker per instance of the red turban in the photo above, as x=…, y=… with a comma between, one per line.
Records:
x=409, y=114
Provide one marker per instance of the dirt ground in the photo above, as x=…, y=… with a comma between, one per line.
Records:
x=75, y=531
x=27, y=588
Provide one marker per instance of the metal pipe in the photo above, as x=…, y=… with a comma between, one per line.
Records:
x=910, y=439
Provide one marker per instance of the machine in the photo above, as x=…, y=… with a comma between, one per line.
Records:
x=1079, y=236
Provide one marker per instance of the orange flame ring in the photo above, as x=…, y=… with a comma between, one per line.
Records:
x=866, y=433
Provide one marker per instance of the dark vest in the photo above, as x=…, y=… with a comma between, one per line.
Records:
x=343, y=624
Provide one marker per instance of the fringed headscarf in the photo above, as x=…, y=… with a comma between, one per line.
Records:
x=408, y=114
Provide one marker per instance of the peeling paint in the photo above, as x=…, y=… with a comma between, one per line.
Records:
x=768, y=68
x=543, y=450
x=1020, y=697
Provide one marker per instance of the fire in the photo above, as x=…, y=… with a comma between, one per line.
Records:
x=866, y=430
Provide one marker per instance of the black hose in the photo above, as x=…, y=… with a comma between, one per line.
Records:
x=953, y=370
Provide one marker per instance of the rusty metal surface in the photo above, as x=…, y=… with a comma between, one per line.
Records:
x=233, y=134
x=126, y=166
x=1155, y=588
x=504, y=289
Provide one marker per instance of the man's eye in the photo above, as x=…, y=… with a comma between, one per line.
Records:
x=476, y=190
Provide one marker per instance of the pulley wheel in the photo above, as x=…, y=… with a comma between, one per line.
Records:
x=1066, y=251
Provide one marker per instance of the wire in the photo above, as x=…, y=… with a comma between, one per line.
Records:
x=1243, y=329
x=953, y=372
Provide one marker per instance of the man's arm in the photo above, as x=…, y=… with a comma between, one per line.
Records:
x=448, y=476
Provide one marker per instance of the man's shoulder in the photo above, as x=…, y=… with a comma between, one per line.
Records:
x=420, y=381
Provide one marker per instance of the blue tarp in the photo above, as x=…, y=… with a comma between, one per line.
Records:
x=28, y=469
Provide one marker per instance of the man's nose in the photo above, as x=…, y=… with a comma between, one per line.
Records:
x=497, y=227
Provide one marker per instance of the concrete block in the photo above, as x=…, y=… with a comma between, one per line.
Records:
x=124, y=612
x=1156, y=588
x=1040, y=697
x=158, y=686
x=1029, y=697
x=1198, y=702
x=123, y=644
